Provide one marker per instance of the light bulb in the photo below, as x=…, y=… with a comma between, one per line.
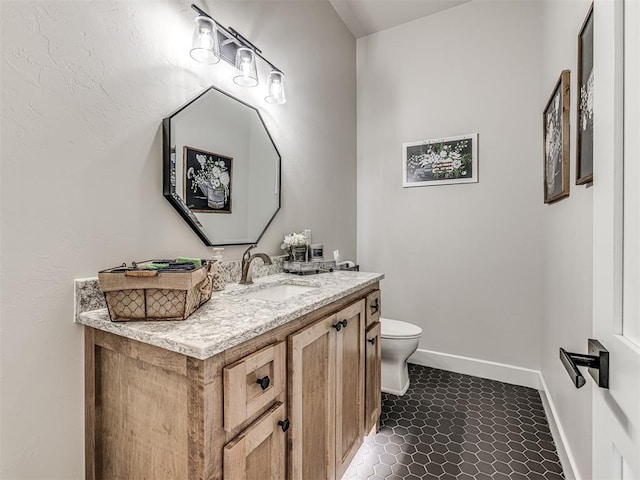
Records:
x=246, y=68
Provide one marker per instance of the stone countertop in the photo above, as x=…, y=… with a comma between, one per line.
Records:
x=231, y=318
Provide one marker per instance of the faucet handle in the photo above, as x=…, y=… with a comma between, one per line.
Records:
x=246, y=254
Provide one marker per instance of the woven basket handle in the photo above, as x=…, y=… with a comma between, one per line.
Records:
x=141, y=273
x=207, y=284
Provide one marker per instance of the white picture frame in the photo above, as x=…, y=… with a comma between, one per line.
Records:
x=440, y=161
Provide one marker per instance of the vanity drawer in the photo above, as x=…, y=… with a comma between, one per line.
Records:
x=253, y=383
x=373, y=308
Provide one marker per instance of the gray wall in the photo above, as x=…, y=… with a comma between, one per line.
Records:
x=462, y=261
x=486, y=269
x=85, y=86
x=568, y=246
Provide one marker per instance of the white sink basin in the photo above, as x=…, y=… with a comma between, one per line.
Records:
x=279, y=293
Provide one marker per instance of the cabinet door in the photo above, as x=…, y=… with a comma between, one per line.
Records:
x=349, y=384
x=258, y=453
x=311, y=380
x=372, y=390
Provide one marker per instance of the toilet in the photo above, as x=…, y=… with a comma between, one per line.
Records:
x=399, y=341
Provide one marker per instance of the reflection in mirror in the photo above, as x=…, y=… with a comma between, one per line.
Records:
x=221, y=169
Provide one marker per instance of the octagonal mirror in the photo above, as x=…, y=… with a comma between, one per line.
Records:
x=221, y=169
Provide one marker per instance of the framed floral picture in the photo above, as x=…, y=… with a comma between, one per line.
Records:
x=207, y=182
x=556, y=141
x=584, y=135
x=440, y=161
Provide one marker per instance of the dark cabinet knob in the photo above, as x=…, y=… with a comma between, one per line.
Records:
x=338, y=326
x=372, y=341
x=284, y=424
x=264, y=382
x=375, y=306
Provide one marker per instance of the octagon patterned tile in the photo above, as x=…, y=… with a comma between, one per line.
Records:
x=452, y=426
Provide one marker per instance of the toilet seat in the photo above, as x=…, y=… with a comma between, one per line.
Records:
x=397, y=329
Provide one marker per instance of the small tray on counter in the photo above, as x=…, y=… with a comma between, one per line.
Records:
x=308, y=268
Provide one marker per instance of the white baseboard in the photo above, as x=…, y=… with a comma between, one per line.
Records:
x=567, y=460
x=525, y=377
x=478, y=368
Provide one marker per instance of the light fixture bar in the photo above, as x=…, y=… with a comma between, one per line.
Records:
x=231, y=36
x=242, y=38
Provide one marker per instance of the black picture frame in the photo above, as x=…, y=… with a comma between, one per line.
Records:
x=207, y=198
x=584, y=107
x=555, y=129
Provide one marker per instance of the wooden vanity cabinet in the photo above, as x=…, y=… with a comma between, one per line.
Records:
x=373, y=357
x=326, y=394
x=151, y=413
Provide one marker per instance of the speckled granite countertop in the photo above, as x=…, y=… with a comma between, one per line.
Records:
x=231, y=318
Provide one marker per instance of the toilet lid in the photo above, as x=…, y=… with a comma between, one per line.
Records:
x=398, y=329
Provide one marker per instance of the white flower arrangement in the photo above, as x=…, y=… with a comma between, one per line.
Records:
x=293, y=240
x=212, y=174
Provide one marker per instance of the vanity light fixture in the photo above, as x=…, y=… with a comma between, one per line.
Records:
x=212, y=42
x=206, y=48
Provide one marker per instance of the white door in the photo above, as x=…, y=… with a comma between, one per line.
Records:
x=616, y=247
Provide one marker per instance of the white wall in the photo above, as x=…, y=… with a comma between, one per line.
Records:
x=462, y=261
x=84, y=88
x=568, y=247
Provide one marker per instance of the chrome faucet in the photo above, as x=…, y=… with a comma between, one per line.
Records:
x=247, y=258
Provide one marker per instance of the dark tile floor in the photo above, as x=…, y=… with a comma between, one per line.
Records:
x=451, y=426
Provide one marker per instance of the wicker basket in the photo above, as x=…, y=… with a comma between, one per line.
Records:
x=155, y=295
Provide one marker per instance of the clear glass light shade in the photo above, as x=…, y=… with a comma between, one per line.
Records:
x=275, y=84
x=247, y=75
x=206, y=48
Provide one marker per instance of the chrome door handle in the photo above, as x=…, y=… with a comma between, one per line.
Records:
x=597, y=361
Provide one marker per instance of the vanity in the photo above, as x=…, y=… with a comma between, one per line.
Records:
x=275, y=380
x=279, y=379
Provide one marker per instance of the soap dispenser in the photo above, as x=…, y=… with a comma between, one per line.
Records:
x=219, y=275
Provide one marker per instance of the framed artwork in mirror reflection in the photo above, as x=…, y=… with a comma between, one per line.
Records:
x=207, y=181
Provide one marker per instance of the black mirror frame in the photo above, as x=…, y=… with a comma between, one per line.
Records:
x=169, y=181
